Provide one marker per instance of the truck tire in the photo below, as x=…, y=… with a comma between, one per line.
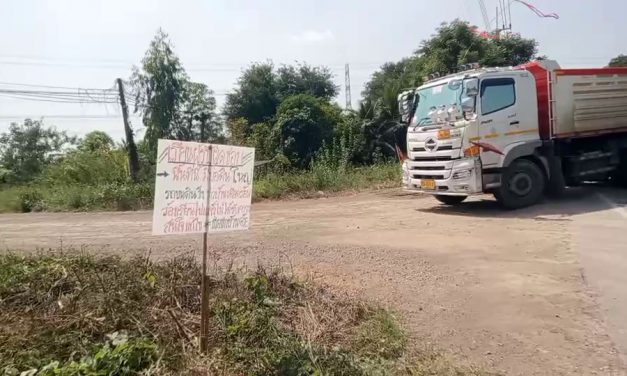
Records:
x=522, y=185
x=450, y=200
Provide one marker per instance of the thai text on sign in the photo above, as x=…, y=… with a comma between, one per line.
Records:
x=202, y=188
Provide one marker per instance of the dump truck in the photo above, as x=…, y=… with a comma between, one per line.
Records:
x=519, y=133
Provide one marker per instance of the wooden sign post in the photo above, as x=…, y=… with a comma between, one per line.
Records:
x=202, y=188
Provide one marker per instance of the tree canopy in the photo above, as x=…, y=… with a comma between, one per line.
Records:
x=261, y=88
x=28, y=148
x=171, y=105
x=618, y=61
x=95, y=141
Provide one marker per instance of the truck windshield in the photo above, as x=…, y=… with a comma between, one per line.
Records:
x=435, y=96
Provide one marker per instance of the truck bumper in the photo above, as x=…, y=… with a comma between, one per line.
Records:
x=463, y=179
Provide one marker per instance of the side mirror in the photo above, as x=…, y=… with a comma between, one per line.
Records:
x=454, y=84
x=472, y=87
x=405, y=101
x=468, y=105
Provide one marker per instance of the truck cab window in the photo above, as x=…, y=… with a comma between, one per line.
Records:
x=497, y=94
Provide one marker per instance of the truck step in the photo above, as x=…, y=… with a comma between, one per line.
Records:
x=591, y=155
x=597, y=171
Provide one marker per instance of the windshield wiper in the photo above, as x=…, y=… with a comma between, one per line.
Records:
x=420, y=122
x=430, y=127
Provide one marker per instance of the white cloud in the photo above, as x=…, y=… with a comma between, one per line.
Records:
x=312, y=36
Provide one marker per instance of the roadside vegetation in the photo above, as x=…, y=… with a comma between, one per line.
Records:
x=74, y=314
x=122, y=197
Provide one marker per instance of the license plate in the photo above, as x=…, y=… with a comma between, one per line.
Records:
x=427, y=184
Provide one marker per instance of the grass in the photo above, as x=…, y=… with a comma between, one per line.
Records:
x=75, y=314
x=121, y=197
x=328, y=180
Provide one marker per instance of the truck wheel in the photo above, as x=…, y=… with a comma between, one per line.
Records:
x=522, y=184
x=450, y=200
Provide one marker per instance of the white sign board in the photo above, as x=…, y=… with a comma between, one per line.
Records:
x=202, y=188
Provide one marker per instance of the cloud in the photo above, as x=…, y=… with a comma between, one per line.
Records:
x=312, y=36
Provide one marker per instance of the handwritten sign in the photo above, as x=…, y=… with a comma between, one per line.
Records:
x=202, y=188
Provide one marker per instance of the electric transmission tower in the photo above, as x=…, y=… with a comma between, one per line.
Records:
x=347, y=87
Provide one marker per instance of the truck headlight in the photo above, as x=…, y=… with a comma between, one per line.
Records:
x=464, y=164
x=462, y=174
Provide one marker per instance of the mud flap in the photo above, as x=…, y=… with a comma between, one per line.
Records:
x=556, y=184
x=478, y=175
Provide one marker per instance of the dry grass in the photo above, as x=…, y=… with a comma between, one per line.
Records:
x=75, y=314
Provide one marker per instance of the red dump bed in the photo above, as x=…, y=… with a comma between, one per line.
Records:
x=579, y=102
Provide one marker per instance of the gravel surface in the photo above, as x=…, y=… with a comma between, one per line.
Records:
x=499, y=289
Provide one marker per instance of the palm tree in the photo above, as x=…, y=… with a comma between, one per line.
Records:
x=381, y=121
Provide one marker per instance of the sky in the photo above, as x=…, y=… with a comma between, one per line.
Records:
x=88, y=44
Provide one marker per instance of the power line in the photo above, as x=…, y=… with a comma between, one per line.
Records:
x=52, y=100
x=60, y=116
x=127, y=62
x=52, y=87
x=112, y=64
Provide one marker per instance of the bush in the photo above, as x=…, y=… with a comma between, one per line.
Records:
x=120, y=355
x=30, y=200
x=90, y=168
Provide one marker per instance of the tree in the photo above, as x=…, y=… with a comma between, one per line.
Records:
x=237, y=129
x=618, y=61
x=197, y=119
x=304, y=124
x=95, y=141
x=305, y=79
x=172, y=106
x=28, y=148
x=256, y=98
x=405, y=73
x=261, y=89
x=159, y=89
x=455, y=44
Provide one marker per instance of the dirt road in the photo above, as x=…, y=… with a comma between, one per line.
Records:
x=504, y=289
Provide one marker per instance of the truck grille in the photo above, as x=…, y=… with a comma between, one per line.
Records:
x=420, y=176
x=441, y=148
x=429, y=168
x=432, y=159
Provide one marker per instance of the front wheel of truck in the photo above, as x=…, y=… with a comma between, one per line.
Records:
x=450, y=200
x=522, y=185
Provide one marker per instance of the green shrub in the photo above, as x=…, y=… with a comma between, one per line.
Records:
x=30, y=200
x=91, y=168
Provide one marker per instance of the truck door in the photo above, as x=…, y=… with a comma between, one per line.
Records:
x=498, y=113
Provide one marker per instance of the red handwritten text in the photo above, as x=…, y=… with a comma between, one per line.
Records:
x=232, y=222
x=220, y=193
x=182, y=225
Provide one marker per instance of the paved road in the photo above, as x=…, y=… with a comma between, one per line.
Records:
x=601, y=237
x=504, y=289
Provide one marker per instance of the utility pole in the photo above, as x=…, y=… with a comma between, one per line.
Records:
x=133, y=158
x=347, y=87
x=203, y=117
